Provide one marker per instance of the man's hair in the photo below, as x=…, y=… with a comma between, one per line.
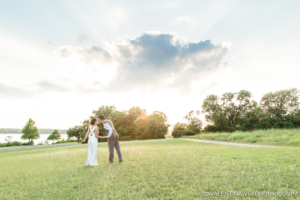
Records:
x=101, y=117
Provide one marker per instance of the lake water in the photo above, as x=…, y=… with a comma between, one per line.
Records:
x=17, y=137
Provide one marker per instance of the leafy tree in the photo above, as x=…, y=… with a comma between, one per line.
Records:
x=157, y=126
x=75, y=132
x=123, y=124
x=55, y=135
x=30, y=131
x=134, y=112
x=235, y=105
x=104, y=110
x=221, y=123
x=140, y=126
x=179, y=130
x=281, y=103
x=194, y=123
x=210, y=107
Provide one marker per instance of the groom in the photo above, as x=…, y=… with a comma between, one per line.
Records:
x=113, y=138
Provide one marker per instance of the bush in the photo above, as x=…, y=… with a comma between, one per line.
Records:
x=178, y=132
x=14, y=143
x=210, y=129
x=126, y=138
x=238, y=136
x=189, y=132
x=253, y=140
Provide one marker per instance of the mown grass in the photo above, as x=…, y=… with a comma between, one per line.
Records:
x=154, y=169
x=285, y=137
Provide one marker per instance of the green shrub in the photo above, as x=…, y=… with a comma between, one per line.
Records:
x=238, y=136
x=295, y=142
x=188, y=132
x=253, y=140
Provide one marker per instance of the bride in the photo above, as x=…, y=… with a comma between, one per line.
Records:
x=92, y=133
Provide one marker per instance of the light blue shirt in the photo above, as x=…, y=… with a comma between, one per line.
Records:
x=107, y=127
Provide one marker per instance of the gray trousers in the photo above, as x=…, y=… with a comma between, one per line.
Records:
x=113, y=142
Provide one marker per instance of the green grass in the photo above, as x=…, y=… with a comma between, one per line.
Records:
x=154, y=169
x=283, y=137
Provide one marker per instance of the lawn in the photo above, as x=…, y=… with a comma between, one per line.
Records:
x=281, y=137
x=154, y=169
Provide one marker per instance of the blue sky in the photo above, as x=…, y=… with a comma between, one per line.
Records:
x=59, y=60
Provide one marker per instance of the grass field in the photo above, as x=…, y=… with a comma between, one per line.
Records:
x=283, y=137
x=154, y=169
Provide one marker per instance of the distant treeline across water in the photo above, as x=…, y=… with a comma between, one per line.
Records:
x=41, y=131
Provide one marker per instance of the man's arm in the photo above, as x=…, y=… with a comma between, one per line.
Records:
x=107, y=127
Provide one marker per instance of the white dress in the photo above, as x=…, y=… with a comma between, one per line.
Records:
x=91, y=159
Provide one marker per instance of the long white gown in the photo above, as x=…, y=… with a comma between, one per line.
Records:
x=91, y=159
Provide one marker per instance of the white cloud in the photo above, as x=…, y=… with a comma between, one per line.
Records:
x=152, y=61
x=185, y=19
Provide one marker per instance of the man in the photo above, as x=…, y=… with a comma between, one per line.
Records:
x=113, y=138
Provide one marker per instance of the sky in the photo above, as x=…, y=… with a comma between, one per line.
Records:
x=60, y=60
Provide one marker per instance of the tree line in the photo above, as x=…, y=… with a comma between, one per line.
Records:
x=237, y=111
x=41, y=131
x=132, y=124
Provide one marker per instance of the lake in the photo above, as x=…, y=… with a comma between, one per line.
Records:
x=17, y=137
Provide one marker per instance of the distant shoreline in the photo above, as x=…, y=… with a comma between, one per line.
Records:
x=40, y=133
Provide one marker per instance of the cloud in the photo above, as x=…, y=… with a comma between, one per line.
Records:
x=13, y=91
x=21, y=91
x=82, y=39
x=152, y=61
x=180, y=20
x=87, y=56
x=49, y=86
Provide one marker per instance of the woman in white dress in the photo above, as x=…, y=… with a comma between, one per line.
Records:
x=92, y=133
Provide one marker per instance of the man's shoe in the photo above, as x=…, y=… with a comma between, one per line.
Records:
x=120, y=160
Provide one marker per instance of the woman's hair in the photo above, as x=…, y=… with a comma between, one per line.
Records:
x=93, y=121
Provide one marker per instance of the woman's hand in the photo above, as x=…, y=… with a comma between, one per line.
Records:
x=82, y=140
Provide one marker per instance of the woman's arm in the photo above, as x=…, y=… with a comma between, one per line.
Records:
x=87, y=133
x=96, y=133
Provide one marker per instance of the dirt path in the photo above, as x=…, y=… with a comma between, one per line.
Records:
x=231, y=143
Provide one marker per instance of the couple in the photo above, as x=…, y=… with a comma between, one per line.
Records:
x=112, y=137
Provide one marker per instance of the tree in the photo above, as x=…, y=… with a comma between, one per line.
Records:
x=83, y=128
x=8, y=139
x=55, y=135
x=221, y=123
x=178, y=130
x=30, y=131
x=122, y=124
x=75, y=132
x=157, y=126
x=104, y=110
x=194, y=123
x=235, y=105
x=211, y=106
x=281, y=103
x=140, y=126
